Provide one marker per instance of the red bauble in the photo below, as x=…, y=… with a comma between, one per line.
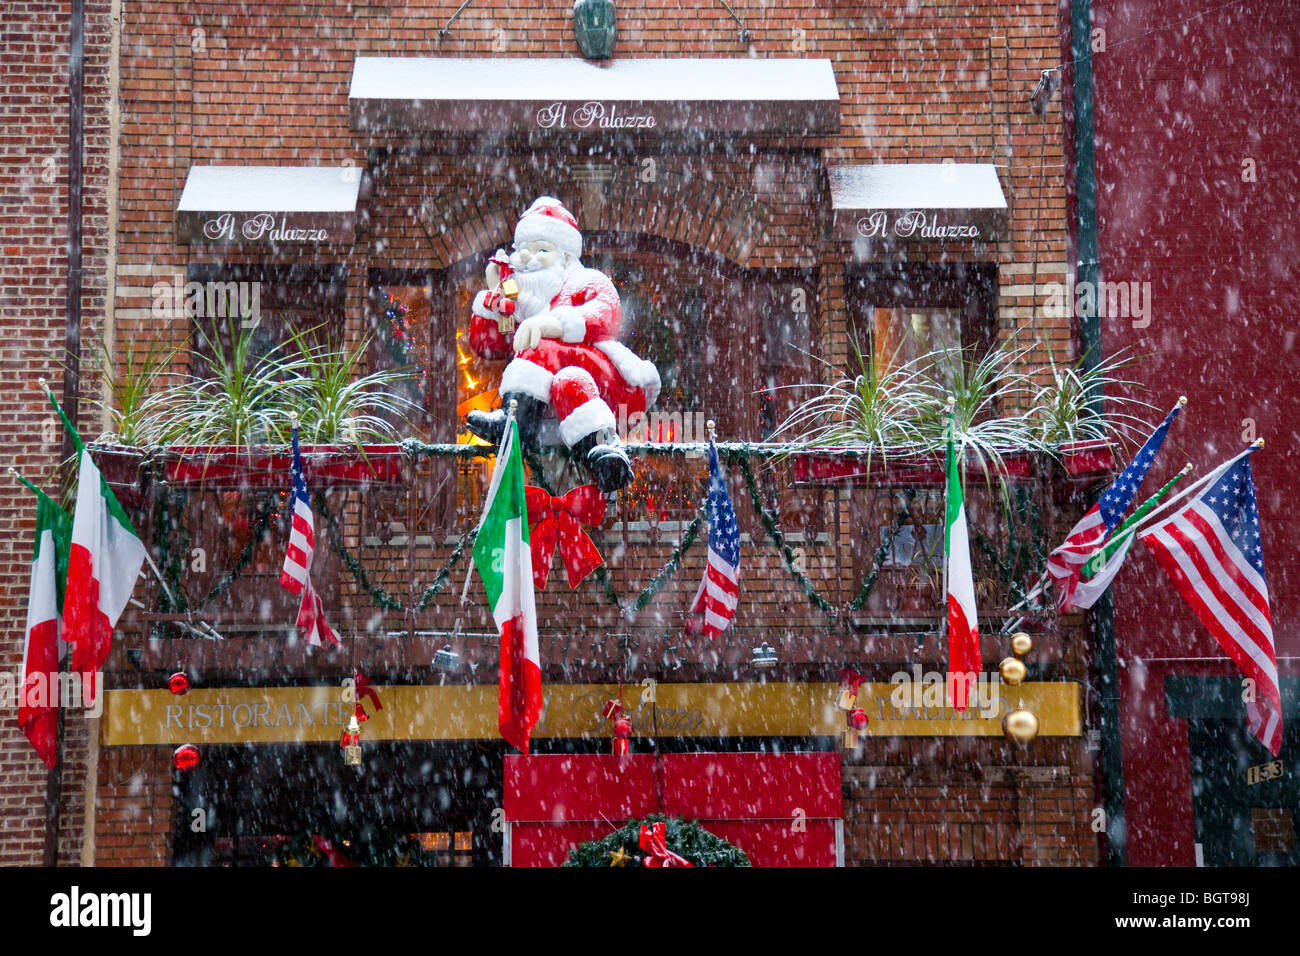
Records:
x=178, y=683
x=186, y=757
x=858, y=719
x=623, y=728
x=619, y=747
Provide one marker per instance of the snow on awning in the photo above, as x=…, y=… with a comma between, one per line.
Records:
x=925, y=202
x=269, y=205
x=636, y=97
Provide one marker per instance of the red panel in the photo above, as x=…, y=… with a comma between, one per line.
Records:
x=749, y=786
x=828, y=467
x=325, y=466
x=554, y=788
x=768, y=843
x=548, y=844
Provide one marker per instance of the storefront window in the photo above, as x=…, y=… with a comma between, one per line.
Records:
x=909, y=311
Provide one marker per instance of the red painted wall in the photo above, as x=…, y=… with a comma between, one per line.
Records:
x=781, y=810
x=1182, y=102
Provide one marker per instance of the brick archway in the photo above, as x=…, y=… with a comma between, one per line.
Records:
x=625, y=198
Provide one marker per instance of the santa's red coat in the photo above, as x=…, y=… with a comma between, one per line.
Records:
x=587, y=306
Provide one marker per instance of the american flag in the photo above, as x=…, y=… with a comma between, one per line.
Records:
x=295, y=576
x=719, y=592
x=1212, y=550
x=1065, y=564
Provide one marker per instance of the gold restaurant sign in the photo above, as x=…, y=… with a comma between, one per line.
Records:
x=460, y=712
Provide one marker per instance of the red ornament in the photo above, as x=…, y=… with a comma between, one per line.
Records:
x=858, y=719
x=619, y=747
x=186, y=757
x=178, y=683
x=623, y=728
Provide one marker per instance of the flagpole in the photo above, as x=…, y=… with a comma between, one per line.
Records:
x=1037, y=589
x=1257, y=444
x=952, y=403
x=492, y=487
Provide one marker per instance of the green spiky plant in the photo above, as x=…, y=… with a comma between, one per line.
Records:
x=336, y=404
x=138, y=399
x=875, y=406
x=246, y=398
x=985, y=392
x=1064, y=409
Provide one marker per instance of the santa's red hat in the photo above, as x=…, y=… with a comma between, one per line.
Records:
x=546, y=220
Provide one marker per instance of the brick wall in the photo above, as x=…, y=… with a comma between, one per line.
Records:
x=33, y=290
x=968, y=801
x=133, y=812
x=267, y=82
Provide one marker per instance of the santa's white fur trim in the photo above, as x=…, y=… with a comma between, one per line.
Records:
x=546, y=220
x=573, y=326
x=591, y=416
x=637, y=372
x=479, y=309
x=528, y=377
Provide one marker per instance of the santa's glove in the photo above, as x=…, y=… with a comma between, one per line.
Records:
x=531, y=331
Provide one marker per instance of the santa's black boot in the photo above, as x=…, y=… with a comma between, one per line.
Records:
x=490, y=426
x=603, y=455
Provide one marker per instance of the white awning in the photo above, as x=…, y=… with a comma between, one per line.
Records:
x=639, y=97
x=918, y=201
x=267, y=205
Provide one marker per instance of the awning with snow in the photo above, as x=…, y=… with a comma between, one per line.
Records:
x=918, y=202
x=634, y=97
x=269, y=205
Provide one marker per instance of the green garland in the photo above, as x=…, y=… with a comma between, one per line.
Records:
x=377, y=593
x=261, y=521
x=739, y=453
x=685, y=838
x=664, y=574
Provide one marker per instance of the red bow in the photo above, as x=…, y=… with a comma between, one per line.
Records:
x=558, y=522
x=654, y=840
x=362, y=686
x=851, y=679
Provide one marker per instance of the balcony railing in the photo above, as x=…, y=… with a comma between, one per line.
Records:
x=837, y=563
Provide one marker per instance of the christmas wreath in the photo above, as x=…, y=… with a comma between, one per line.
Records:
x=658, y=841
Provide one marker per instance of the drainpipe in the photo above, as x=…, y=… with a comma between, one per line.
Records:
x=72, y=355
x=1087, y=269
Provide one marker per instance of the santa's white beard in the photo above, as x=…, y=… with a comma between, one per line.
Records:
x=537, y=288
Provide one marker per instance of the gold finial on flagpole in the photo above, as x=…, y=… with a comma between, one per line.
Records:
x=1257, y=443
x=1182, y=400
x=1186, y=469
x=711, y=427
x=293, y=419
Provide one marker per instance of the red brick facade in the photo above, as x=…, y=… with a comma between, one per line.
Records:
x=267, y=84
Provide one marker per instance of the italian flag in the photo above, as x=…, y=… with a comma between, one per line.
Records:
x=38, y=705
x=503, y=558
x=103, y=563
x=963, y=624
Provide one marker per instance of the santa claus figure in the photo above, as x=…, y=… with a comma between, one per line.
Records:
x=558, y=322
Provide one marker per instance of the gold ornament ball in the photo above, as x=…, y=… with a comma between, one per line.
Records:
x=1013, y=671
x=1021, y=643
x=1020, y=726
